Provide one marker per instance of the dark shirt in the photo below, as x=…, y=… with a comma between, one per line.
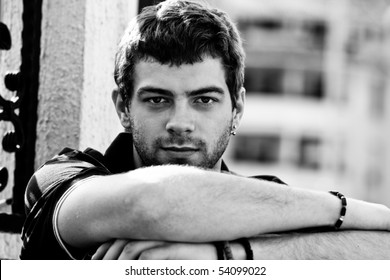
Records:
x=51, y=183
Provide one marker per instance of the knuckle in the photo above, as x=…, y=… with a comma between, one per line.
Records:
x=129, y=248
x=148, y=255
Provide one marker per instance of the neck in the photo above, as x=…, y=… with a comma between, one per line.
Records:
x=137, y=159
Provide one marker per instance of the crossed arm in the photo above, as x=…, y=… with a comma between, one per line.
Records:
x=342, y=245
x=186, y=204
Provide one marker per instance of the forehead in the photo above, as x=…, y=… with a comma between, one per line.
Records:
x=209, y=72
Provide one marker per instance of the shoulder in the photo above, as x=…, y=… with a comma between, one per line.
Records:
x=66, y=165
x=43, y=193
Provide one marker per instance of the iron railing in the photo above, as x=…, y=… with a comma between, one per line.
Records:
x=21, y=111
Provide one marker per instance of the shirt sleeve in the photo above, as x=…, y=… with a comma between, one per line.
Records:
x=46, y=189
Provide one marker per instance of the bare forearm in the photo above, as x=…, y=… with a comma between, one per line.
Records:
x=340, y=245
x=187, y=204
x=199, y=206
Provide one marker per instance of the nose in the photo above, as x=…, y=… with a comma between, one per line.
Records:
x=181, y=120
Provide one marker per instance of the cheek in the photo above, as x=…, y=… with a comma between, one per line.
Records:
x=146, y=128
x=220, y=122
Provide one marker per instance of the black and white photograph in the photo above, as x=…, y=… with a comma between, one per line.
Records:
x=195, y=130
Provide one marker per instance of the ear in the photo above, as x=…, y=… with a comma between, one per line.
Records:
x=239, y=109
x=121, y=108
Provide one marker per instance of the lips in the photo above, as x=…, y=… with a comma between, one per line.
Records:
x=180, y=149
x=179, y=152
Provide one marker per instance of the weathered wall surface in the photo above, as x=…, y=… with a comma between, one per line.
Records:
x=104, y=25
x=61, y=77
x=78, y=43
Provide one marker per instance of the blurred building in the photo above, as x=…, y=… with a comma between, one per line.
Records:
x=317, y=94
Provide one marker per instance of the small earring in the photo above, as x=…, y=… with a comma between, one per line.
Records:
x=233, y=132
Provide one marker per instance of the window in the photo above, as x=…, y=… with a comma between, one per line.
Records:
x=317, y=32
x=278, y=81
x=258, y=148
x=378, y=96
x=264, y=80
x=313, y=86
x=269, y=24
x=309, y=152
x=266, y=24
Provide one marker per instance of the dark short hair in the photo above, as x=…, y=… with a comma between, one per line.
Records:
x=179, y=32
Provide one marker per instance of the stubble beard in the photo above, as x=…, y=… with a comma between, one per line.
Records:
x=207, y=159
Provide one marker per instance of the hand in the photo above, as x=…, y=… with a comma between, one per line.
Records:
x=124, y=249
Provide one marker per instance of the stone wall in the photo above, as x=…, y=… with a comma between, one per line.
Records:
x=78, y=44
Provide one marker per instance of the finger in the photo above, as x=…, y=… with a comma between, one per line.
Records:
x=101, y=251
x=180, y=251
x=155, y=253
x=133, y=249
x=115, y=249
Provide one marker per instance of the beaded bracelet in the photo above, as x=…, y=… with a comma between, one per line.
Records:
x=343, y=199
x=247, y=246
x=224, y=252
x=227, y=251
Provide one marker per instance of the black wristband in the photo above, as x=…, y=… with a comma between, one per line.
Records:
x=343, y=210
x=247, y=246
x=219, y=247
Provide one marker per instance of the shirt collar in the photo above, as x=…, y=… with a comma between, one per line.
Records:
x=119, y=155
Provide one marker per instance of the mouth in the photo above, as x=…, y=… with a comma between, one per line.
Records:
x=179, y=149
x=180, y=152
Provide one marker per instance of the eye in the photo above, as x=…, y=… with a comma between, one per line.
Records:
x=156, y=100
x=205, y=100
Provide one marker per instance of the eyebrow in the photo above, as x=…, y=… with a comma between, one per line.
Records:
x=206, y=90
x=152, y=89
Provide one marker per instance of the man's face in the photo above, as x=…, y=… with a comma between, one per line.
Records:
x=181, y=115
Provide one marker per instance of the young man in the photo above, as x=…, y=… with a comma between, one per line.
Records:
x=161, y=190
